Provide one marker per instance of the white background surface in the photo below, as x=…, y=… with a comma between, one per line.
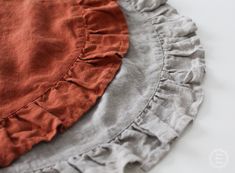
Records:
x=214, y=127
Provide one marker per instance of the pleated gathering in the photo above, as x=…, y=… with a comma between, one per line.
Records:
x=52, y=105
x=172, y=103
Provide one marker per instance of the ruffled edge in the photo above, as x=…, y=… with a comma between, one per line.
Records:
x=41, y=119
x=174, y=105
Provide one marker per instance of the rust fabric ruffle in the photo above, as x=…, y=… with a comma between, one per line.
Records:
x=56, y=59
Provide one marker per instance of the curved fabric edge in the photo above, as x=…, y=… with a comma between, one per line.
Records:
x=174, y=105
x=41, y=119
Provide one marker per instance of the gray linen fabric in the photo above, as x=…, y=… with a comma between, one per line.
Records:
x=153, y=98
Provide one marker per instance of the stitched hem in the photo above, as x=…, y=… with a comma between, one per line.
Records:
x=42, y=118
x=173, y=106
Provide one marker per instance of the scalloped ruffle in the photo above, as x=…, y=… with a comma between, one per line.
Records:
x=99, y=49
x=174, y=105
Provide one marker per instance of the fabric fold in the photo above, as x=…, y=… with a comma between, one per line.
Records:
x=85, y=40
x=174, y=105
x=170, y=105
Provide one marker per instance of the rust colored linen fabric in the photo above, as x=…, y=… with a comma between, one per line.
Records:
x=56, y=58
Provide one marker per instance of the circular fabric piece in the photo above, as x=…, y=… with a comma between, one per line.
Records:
x=56, y=59
x=154, y=97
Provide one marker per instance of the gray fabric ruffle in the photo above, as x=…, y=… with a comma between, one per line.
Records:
x=173, y=106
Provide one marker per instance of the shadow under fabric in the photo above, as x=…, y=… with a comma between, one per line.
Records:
x=56, y=59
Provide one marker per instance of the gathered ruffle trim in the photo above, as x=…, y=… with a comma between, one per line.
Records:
x=174, y=105
x=98, y=50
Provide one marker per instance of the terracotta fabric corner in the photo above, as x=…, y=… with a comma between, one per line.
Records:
x=56, y=59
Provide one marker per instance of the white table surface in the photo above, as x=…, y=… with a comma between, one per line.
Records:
x=209, y=145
